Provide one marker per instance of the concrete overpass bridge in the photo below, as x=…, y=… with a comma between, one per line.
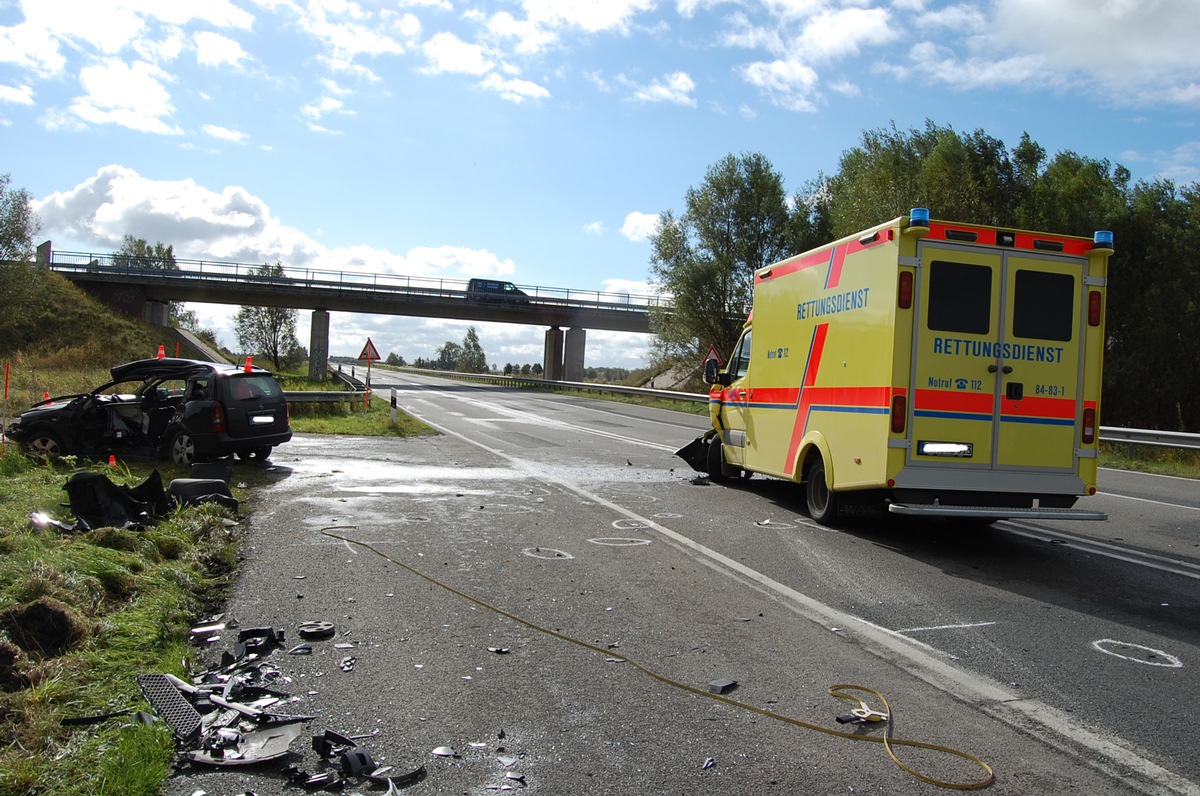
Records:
x=142, y=291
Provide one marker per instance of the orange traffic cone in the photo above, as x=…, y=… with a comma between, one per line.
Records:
x=112, y=461
x=162, y=353
x=249, y=361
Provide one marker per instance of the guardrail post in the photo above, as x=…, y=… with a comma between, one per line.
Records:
x=393, y=406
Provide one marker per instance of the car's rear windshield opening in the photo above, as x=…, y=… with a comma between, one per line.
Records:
x=252, y=387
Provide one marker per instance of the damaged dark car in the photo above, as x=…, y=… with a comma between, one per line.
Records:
x=183, y=410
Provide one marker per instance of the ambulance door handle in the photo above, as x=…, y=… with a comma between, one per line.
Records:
x=1006, y=370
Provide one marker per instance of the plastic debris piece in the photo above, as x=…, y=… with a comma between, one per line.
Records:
x=499, y=650
x=171, y=706
x=301, y=649
x=722, y=686
x=709, y=763
x=444, y=751
x=347, y=663
x=250, y=748
x=317, y=630
x=515, y=776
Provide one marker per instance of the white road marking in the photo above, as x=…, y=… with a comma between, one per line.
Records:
x=1057, y=728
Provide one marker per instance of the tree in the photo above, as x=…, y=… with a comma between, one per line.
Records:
x=138, y=253
x=22, y=283
x=395, y=360
x=1153, y=315
x=471, y=358
x=736, y=222
x=269, y=331
x=965, y=177
x=448, y=356
x=18, y=222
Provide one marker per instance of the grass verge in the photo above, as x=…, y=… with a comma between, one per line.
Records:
x=125, y=600
x=82, y=613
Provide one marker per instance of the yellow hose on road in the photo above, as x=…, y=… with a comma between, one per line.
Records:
x=837, y=690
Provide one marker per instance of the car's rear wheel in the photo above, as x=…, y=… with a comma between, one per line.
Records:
x=256, y=454
x=183, y=448
x=45, y=445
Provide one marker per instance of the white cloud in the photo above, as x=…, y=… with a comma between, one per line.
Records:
x=448, y=53
x=231, y=224
x=162, y=50
x=213, y=49
x=18, y=95
x=531, y=38
x=633, y=287
x=638, y=226
x=832, y=35
x=315, y=110
x=788, y=84
x=594, y=228
x=933, y=62
x=676, y=88
x=592, y=16
x=514, y=89
x=546, y=20
x=1154, y=40
x=1148, y=54
x=129, y=95
x=224, y=133
x=347, y=31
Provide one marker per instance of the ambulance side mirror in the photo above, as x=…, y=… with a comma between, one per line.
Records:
x=711, y=374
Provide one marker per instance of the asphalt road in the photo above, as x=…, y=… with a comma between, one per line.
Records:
x=470, y=569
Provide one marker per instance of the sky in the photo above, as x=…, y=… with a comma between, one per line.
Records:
x=531, y=140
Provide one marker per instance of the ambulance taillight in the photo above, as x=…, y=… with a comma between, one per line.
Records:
x=904, y=291
x=1089, y=426
x=1095, y=308
x=899, y=413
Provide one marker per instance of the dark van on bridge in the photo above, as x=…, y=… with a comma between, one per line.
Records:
x=495, y=290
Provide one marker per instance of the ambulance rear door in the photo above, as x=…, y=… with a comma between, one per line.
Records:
x=997, y=362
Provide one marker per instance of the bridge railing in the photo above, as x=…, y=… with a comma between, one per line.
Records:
x=244, y=273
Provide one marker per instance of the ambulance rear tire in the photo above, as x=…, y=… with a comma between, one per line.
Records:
x=822, y=503
x=716, y=460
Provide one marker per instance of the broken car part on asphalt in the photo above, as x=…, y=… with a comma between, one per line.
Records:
x=222, y=717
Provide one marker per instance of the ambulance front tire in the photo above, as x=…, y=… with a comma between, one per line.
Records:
x=716, y=460
x=822, y=503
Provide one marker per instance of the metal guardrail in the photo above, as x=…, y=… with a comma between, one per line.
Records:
x=1131, y=436
x=1141, y=436
x=324, y=396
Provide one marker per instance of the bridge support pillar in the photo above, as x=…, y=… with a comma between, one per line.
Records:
x=318, y=345
x=157, y=313
x=573, y=354
x=552, y=354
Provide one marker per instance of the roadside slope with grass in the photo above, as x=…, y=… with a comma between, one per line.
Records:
x=83, y=612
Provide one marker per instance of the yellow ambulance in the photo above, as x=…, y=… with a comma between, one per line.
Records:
x=935, y=367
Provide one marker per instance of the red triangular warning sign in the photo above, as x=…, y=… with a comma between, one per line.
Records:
x=369, y=353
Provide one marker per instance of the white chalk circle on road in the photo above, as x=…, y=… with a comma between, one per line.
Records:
x=1137, y=653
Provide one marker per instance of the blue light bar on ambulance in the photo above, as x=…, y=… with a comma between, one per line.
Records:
x=918, y=217
x=1103, y=238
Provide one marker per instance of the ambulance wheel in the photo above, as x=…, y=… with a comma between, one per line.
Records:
x=822, y=503
x=716, y=460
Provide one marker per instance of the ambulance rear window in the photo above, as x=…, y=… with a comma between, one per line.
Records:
x=1044, y=306
x=960, y=298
